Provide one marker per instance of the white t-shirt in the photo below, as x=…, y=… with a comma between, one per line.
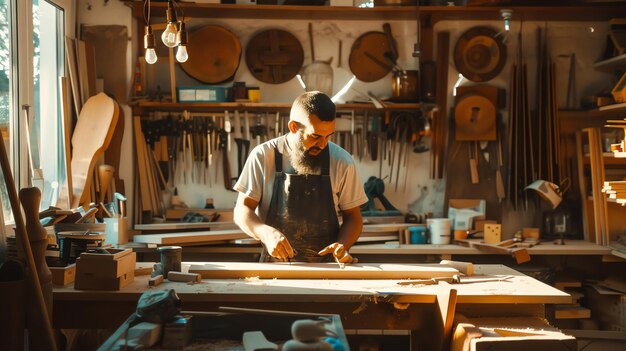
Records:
x=257, y=177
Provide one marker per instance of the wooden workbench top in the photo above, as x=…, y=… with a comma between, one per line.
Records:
x=519, y=289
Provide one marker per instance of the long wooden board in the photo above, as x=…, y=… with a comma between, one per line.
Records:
x=191, y=238
x=299, y=270
x=92, y=135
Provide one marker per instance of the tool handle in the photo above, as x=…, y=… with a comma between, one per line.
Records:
x=237, y=125
x=392, y=43
x=246, y=126
x=20, y=233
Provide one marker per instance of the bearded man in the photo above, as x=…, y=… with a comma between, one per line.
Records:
x=299, y=194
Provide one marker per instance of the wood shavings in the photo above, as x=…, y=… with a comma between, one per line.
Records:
x=401, y=306
x=252, y=279
x=361, y=308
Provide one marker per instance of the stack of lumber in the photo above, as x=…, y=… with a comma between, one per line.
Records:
x=616, y=190
x=572, y=311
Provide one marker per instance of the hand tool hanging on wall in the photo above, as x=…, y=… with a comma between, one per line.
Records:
x=223, y=138
x=210, y=133
x=246, y=134
x=239, y=141
x=228, y=129
x=204, y=162
x=259, y=131
x=216, y=142
x=184, y=146
x=200, y=137
x=171, y=132
x=373, y=138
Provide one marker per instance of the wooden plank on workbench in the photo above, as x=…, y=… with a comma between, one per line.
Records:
x=299, y=270
x=191, y=238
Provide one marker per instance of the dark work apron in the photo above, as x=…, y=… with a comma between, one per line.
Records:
x=303, y=209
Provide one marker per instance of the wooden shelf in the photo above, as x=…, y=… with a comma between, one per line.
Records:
x=260, y=107
x=434, y=13
x=609, y=160
x=612, y=64
x=573, y=120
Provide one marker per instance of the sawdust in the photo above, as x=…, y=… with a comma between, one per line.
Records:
x=252, y=279
x=215, y=345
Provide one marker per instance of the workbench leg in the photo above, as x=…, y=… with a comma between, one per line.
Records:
x=437, y=338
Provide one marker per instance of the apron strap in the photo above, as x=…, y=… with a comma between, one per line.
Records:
x=326, y=160
x=278, y=160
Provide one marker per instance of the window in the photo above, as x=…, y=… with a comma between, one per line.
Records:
x=29, y=86
x=6, y=96
x=48, y=67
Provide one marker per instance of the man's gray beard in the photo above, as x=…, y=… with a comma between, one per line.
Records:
x=303, y=162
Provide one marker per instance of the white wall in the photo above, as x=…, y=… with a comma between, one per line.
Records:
x=421, y=193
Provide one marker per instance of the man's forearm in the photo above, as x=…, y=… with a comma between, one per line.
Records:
x=249, y=222
x=350, y=230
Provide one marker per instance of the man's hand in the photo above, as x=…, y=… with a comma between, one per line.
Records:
x=339, y=252
x=277, y=245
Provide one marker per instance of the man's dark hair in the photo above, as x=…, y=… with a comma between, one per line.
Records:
x=316, y=103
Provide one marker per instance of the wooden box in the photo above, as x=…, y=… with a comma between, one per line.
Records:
x=510, y=334
x=102, y=271
x=63, y=275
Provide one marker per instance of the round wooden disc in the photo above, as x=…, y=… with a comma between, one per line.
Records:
x=214, y=54
x=475, y=118
x=479, y=55
x=274, y=56
x=367, y=61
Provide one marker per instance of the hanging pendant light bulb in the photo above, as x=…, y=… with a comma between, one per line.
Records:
x=169, y=36
x=181, y=53
x=148, y=44
x=506, y=17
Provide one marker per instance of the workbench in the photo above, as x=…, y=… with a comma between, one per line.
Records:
x=363, y=304
x=384, y=252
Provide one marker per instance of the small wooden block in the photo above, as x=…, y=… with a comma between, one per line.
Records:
x=466, y=268
x=63, y=275
x=143, y=268
x=183, y=277
x=493, y=233
x=156, y=280
x=571, y=312
x=530, y=233
x=562, y=283
x=520, y=255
